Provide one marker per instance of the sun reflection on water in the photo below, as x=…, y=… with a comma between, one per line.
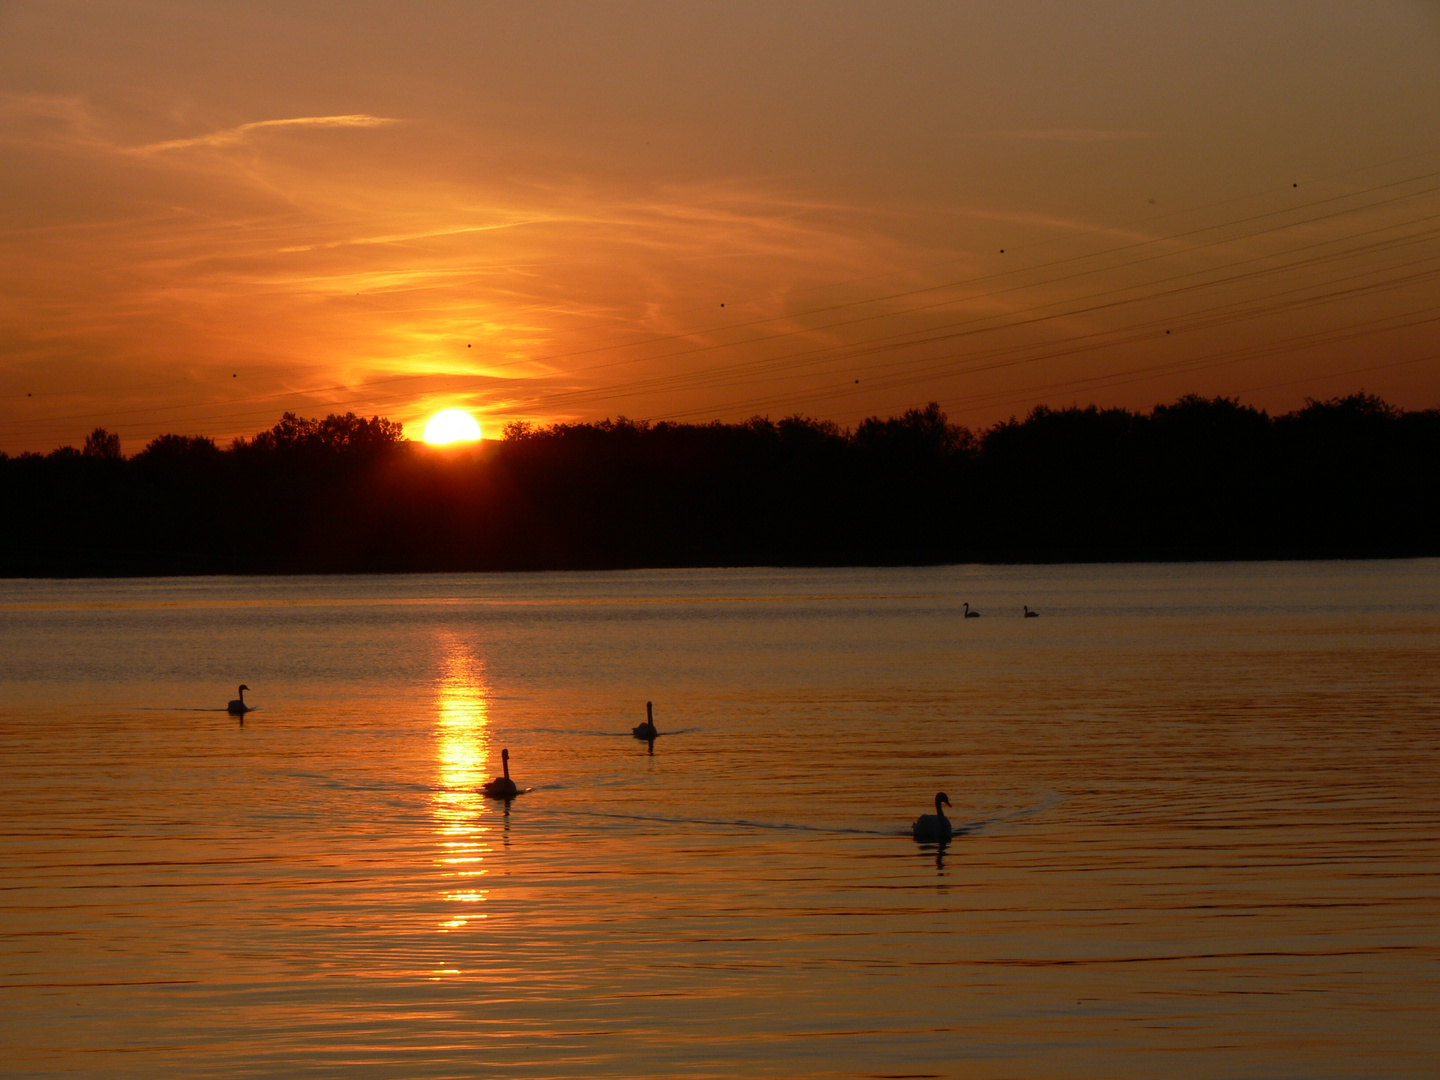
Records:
x=461, y=741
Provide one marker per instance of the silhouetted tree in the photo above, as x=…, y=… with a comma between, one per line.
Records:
x=1196, y=478
x=102, y=444
x=335, y=432
x=180, y=451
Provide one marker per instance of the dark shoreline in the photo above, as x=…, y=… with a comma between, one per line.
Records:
x=1196, y=481
x=99, y=575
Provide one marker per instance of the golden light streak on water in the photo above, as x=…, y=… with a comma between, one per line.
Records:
x=461, y=751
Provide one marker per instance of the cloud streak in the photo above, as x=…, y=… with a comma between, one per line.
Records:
x=234, y=135
x=405, y=237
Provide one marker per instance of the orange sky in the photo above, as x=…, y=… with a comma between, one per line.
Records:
x=211, y=214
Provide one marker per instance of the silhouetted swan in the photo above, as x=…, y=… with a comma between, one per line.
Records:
x=970, y=614
x=933, y=827
x=502, y=787
x=1030, y=614
x=647, y=729
x=238, y=706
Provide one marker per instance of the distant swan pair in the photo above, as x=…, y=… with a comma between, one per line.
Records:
x=975, y=614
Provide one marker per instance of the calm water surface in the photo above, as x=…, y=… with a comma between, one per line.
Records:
x=1199, y=814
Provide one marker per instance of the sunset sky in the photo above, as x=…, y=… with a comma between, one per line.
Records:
x=212, y=213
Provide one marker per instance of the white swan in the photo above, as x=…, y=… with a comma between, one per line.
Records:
x=933, y=827
x=238, y=706
x=970, y=614
x=1030, y=614
x=502, y=787
x=647, y=729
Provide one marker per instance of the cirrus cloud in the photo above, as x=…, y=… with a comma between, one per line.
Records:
x=231, y=136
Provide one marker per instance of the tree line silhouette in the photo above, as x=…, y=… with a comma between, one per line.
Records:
x=1197, y=479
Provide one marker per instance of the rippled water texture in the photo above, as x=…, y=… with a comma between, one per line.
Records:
x=1197, y=806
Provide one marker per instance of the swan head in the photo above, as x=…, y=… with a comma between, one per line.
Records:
x=649, y=709
x=243, y=688
x=504, y=755
x=941, y=797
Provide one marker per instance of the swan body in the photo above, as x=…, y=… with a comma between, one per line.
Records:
x=933, y=828
x=1030, y=614
x=502, y=787
x=647, y=729
x=238, y=706
x=970, y=614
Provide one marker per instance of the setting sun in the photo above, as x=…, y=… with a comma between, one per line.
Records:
x=451, y=425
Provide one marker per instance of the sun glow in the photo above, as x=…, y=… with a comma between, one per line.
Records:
x=451, y=425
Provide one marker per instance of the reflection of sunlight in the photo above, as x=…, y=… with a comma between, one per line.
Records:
x=461, y=723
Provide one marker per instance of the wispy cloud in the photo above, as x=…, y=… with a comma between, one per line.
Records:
x=54, y=106
x=31, y=119
x=405, y=237
x=231, y=136
x=1046, y=221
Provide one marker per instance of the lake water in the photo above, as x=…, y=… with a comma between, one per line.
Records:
x=1198, y=816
